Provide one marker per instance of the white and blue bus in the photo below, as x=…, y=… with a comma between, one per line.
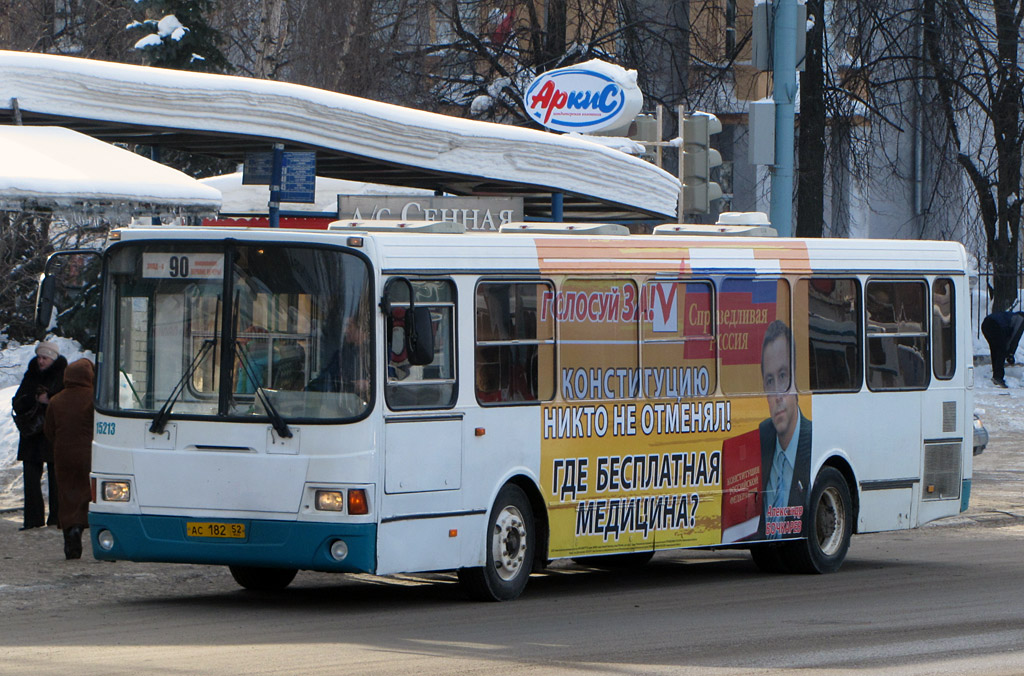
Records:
x=383, y=399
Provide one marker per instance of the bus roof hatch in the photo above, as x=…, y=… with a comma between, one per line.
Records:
x=398, y=226
x=565, y=228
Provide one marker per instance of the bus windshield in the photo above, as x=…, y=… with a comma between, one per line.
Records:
x=293, y=337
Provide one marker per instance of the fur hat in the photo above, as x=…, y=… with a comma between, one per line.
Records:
x=47, y=349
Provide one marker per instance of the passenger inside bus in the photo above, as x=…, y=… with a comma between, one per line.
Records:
x=348, y=368
x=398, y=360
x=252, y=360
x=289, y=365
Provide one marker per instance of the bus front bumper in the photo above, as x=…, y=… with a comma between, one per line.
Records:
x=266, y=543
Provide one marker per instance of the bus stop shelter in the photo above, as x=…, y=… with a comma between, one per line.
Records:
x=52, y=169
x=354, y=139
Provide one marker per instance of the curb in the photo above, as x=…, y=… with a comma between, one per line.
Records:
x=990, y=518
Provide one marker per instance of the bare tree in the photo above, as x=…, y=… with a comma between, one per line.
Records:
x=973, y=51
x=27, y=238
x=24, y=244
x=947, y=75
x=257, y=35
x=88, y=28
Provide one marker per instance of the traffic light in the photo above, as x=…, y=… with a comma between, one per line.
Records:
x=698, y=159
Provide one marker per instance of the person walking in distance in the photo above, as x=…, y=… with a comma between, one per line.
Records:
x=69, y=423
x=1002, y=330
x=43, y=379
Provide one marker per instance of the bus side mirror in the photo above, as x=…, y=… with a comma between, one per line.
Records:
x=419, y=337
x=44, y=301
x=416, y=322
x=68, y=296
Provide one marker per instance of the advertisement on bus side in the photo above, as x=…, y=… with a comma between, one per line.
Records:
x=677, y=421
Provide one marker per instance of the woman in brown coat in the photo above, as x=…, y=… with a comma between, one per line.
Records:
x=69, y=421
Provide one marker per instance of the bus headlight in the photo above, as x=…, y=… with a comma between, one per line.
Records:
x=330, y=501
x=117, y=491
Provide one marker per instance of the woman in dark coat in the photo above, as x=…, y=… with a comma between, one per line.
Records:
x=69, y=427
x=43, y=379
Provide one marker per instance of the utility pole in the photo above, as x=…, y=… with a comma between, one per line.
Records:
x=784, y=92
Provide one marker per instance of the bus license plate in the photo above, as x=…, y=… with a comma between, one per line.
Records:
x=203, y=529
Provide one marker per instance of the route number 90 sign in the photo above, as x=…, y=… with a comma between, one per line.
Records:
x=182, y=266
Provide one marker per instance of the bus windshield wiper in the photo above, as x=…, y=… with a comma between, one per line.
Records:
x=160, y=421
x=280, y=426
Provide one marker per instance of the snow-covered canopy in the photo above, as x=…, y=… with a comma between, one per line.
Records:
x=241, y=199
x=56, y=168
x=356, y=139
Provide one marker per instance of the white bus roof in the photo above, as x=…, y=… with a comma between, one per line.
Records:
x=522, y=253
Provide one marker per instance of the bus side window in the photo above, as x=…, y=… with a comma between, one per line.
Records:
x=832, y=335
x=677, y=331
x=943, y=333
x=433, y=385
x=746, y=308
x=897, y=335
x=514, y=357
x=598, y=338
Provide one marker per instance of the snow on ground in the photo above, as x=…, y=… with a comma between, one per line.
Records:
x=13, y=362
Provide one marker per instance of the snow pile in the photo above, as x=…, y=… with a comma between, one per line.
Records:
x=53, y=166
x=167, y=27
x=620, y=143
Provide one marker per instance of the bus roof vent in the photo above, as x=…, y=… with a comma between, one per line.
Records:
x=716, y=230
x=730, y=224
x=398, y=226
x=566, y=228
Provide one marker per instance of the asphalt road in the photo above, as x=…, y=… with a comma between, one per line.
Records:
x=944, y=599
x=935, y=600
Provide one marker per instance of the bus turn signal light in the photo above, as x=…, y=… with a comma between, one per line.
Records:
x=357, y=501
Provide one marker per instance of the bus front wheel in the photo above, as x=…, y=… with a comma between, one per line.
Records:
x=510, y=546
x=828, y=528
x=263, y=579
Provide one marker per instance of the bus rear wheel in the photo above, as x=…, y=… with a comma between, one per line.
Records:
x=263, y=579
x=511, y=538
x=828, y=528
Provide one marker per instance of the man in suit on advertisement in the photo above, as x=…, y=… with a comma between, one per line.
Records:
x=785, y=440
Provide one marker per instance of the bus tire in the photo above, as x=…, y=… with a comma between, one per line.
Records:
x=828, y=528
x=511, y=539
x=262, y=579
x=616, y=561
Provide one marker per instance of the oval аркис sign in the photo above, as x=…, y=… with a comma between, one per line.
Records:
x=588, y=97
